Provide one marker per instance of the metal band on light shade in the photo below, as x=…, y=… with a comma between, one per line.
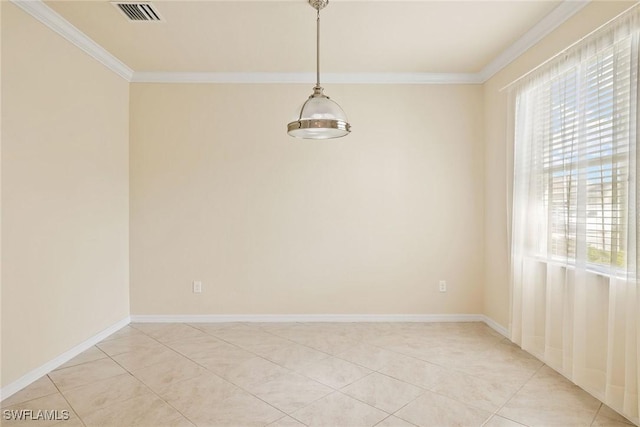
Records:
x=319, y=124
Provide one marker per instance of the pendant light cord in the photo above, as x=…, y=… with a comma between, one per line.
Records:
x=318, y=49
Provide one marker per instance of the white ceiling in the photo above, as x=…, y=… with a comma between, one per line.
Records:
x=279, y=36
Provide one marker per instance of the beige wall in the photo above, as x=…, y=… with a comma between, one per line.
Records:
x=64, y=195
x=273, y=225
x=219, y=193
x=499, y=148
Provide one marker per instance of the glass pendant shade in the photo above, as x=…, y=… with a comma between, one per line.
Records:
x=320, y=118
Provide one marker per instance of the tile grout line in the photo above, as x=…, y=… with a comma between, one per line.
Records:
x=447, y=369
x=33, y=398
x=208, y=370
x=334, y=390
x=237, y=385
x=362, y=401
x=257, y=355
x=596, y=414
x=424, y=391
x=142, y=382
x=66, y=400
x=83, y=385
x=221, y=377
x=395, y=414
x=383, y=420
x=129, y=372
x=513, y=395
x=454, y=370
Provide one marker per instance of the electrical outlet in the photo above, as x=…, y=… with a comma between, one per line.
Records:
x=197, y=287
x=443, y=286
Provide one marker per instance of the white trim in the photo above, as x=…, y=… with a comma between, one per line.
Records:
x=553, y=20
x=37, y=373
x=571, y=46
x=39, y=10
x=544, y=27
x=496, y=326
x=290, y=318
x=43, y=13
x=267, y=318
x=306, y=78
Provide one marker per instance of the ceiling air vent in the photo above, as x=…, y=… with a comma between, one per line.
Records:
x=139, y=11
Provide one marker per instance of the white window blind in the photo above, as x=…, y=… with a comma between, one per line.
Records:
x=579, y=131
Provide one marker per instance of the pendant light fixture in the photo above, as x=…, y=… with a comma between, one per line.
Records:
x=320, y=117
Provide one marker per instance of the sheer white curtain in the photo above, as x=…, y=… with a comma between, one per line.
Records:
x=574, y=260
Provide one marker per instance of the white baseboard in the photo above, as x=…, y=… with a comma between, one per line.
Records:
x=496, y=327
x=267, y=318
x=37, y=373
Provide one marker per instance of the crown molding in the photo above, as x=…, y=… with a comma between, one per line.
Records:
x=39, y=10
x=544, y=27
x=43, y=13
x=307, y=78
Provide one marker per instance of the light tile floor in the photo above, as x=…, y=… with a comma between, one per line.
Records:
x=315, y=374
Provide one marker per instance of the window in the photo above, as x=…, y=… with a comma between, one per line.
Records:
x=574, y=267
x=578, y=132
